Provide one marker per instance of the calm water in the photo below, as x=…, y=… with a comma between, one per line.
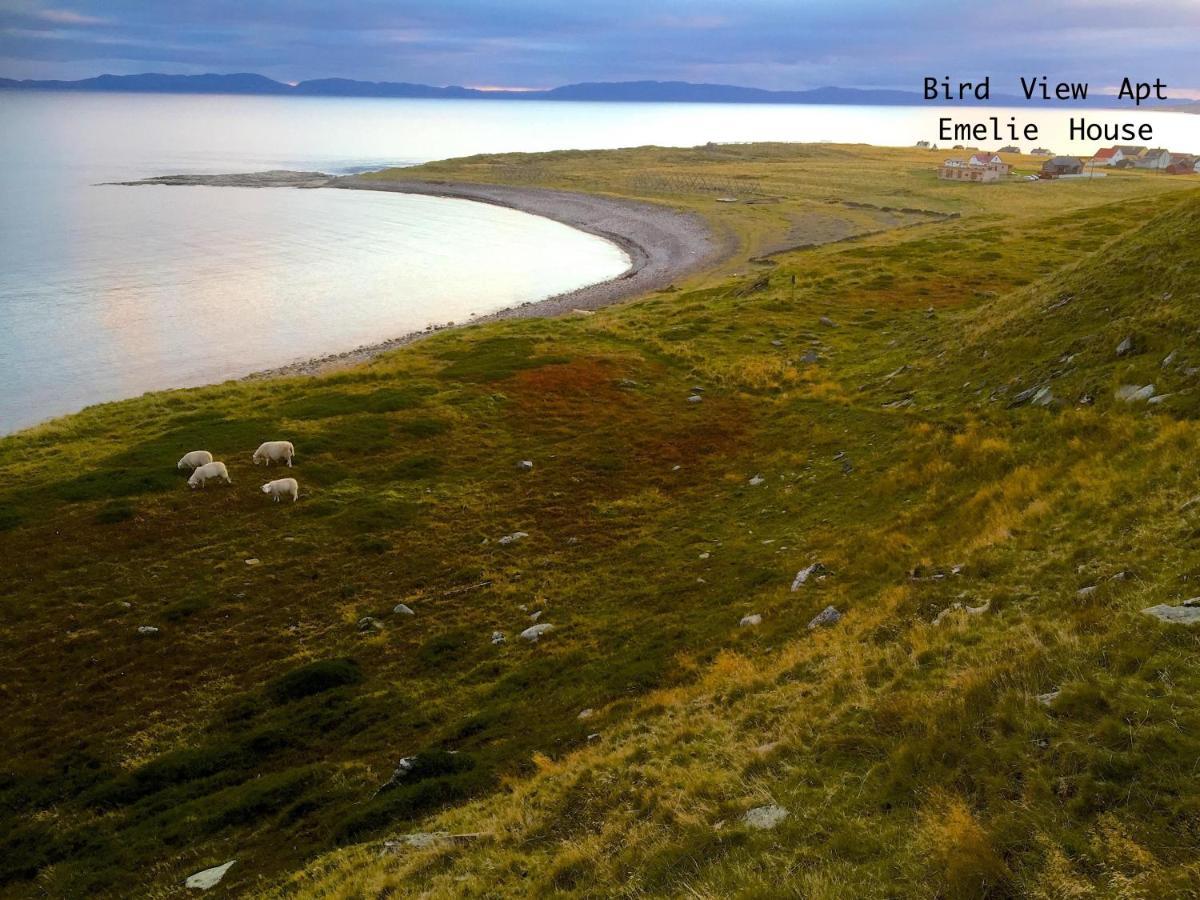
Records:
x=106, y=292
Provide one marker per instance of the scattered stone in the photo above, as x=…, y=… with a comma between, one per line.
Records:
x=1132, y=393
x=1170, y=358
x=147, y=630
x=1175, y=615
x=697, y=389
x=1192, y=603
x=776, y=343
x=594, y=736
x=752, y=619
x=585, y=714
x=827, y=322
x=367, y=623
x=695, y=398
x=764, y=818
x=810, y=356
x=525, y=465
x=252, y=561
x=1159, y=398
x=1126, y=346
x=1124, y=575
x=498, y=637
x=512, y=538
x=534, y=632
x=402, y=609
x=816, y=570
x=1048, y=698
x=826, y=617
x=704, y=555
x=208, y=878
x=978, y=610
x=757, y=480
x=535, y=615
x=1044, y=397
x=1084, y=592
x=1086, y=399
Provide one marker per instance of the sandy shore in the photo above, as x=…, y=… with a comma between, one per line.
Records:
x=664, y=245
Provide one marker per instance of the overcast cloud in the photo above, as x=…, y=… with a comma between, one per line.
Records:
x=539, y=43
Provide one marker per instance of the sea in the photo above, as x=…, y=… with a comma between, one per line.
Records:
x=107, y=292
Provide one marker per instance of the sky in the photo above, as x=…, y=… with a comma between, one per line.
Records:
x=544, y=43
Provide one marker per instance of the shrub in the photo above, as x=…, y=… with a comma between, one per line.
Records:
x=314, y=678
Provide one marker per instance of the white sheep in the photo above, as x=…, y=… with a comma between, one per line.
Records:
x=282, y=487
x=209, y=472
x=194, y=460
x=274, y=451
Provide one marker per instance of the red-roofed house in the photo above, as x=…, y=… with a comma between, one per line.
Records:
x=1109, y=156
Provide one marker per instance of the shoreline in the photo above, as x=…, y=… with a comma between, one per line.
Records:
x=663, y=245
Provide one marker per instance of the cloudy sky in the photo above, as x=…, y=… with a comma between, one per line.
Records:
x=543, y=43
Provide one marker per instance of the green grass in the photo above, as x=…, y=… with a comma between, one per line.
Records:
x=261, y=724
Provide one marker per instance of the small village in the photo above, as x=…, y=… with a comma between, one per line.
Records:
x=985, y=166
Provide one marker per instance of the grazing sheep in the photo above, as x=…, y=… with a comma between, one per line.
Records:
x=209, y=472
x=194, y=460
x=275, y=451
x=282, y=487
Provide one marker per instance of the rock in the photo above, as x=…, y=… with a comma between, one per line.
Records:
x=695, y=398
x=1048, y=698
x=585, y=714
x=827, y=322
x=202, y=881
x=252, y=561
x=1121, y=576
x=525, y=465
x=1131, y=393
x=764, y=818
x=704, y=555
x=147, y=630
x=498, y=637
x=757, y=480
x=594, y=736
x=697, y=389
x=1084, y=592
x=535, y=615
x=978, y=610
x=826, y=617
x=752, y=619
x=1044, y=397
x=367, y=623
x=534, y=632
x=402, y=769
x=1175, y=615
x=1193, y=603
x=1086, y=399
x=776, y=343
x=1170, y=358
x=1159, y=398
x=402, y=609
x=513, y=538
x=810, y=356
x=1126, y=346
x=816, y=570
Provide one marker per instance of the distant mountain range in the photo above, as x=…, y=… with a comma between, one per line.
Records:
x=624, y=91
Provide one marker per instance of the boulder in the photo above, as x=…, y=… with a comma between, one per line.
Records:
x=367, y=623
x=585, y=714
x=1048, y=698
x=826, y=617
x=208, y=878
x=757, y=480
x=1132, y=393
x=513, y=538
x=534, y=632
x=1126, y=347
x=148, y=630
x=1175, y=615
x=402, y=609
x=695, y=398
x=1084, y=592
x=764, y=818
x=816, y=570
x=827, y=322
x=752, y=619
x=498, y=637
x=525, y=465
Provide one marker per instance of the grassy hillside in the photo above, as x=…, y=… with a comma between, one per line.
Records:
x=886, y=402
